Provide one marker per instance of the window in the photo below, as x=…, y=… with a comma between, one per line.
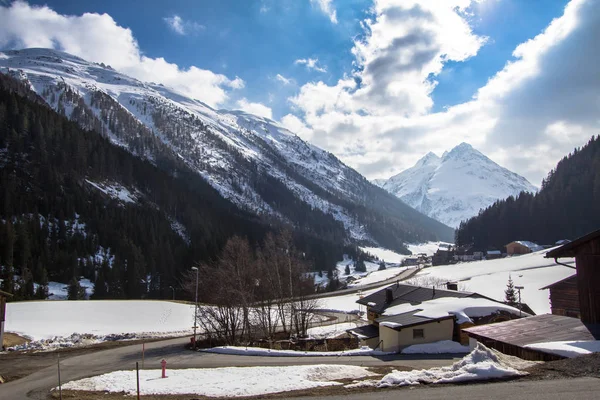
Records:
x=418, y=334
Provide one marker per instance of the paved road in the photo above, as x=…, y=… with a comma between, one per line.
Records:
x=36, y=386
x=562, y=389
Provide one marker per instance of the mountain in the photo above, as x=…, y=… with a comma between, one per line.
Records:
x=454, y=187
x=254, y=162
x=566, y=207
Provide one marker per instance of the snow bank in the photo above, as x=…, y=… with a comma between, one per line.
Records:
x=222, y=382
x=463, y=308
x=441, y=347
x=257, y=351
x=44, y=320
x=568, y=349
x=481, y=364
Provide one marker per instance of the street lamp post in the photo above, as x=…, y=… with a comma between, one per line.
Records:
x=196, y=307
x=520, y=306
x=173, y=289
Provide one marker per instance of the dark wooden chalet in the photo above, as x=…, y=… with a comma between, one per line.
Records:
x=586, y=251
x=564, y=297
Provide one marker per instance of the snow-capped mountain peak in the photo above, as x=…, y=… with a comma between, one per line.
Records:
x=454, y=187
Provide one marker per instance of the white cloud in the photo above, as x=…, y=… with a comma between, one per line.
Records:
x=295, y=125
x=531, y=113
x=255, y=108
x=183, y=27
x=327, y=8
x=284, y=80
x=97, y=37
x=311, y=63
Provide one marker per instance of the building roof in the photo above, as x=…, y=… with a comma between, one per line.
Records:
x=403, y=294
x=569, y=249
x=494, y=252
x=365, y=332
x=408, y=319
x=569, y=278
x=530, y=245
x=537, y=329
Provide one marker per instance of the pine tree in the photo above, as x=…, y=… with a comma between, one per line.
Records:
x=347, y=271
x=76, y=292
x=381, y=265
x=359, y=266
x=42, y=290
x=510, y=295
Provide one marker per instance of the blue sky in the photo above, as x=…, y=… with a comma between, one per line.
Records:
x=379, y=83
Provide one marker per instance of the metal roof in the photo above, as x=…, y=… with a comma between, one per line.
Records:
x=366, y=331
x=403, y=294
x=537, y=329
x=572, y=277
x=409, y=319
x=568, y=250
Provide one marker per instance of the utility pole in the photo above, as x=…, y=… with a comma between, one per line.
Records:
x=196, y=307
x=520, y=306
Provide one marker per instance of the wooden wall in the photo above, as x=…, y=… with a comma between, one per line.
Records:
x=587, y=261
x=564, y=298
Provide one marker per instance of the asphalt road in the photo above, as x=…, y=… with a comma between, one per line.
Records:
x=560, y=389
x=37, y=385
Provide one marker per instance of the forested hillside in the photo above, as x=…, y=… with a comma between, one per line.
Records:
x=73, y=204
x=567, y=206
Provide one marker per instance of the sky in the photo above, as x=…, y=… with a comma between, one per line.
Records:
x=379, y=83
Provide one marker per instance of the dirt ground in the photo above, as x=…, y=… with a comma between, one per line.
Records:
x=583, y=366
x=11, y=339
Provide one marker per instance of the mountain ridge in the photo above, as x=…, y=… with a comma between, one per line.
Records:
x=454, y=187
x=254, y=162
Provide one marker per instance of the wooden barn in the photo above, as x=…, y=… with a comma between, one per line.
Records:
x=586, y=251
x=564, y=297
x=522, y=247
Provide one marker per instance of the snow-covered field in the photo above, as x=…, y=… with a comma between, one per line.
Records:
x=489, y=278
x=378, y=276
x=42, y=321
x=223, y=382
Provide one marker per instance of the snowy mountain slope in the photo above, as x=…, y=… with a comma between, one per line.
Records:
x=254, y=162
x=454, y=187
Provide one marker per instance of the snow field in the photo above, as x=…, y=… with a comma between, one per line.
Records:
x=222, y=382
x=43, y=320
x=489, y=278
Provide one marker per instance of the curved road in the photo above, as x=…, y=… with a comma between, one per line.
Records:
x=37, y=385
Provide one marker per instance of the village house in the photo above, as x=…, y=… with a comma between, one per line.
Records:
x=532, y=338
x=493, y=254
x=402, y=315
x=522, y=247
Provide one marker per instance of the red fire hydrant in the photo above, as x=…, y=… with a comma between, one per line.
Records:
x=163, y=363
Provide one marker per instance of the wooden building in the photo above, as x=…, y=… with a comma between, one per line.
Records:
x=564, y=297
x=586, y=251
x=522, y=247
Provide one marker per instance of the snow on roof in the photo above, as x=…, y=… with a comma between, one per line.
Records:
x=530, y=245
x=494, y=252
x=390, y=324
x=463, y=308
x=568, y=349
